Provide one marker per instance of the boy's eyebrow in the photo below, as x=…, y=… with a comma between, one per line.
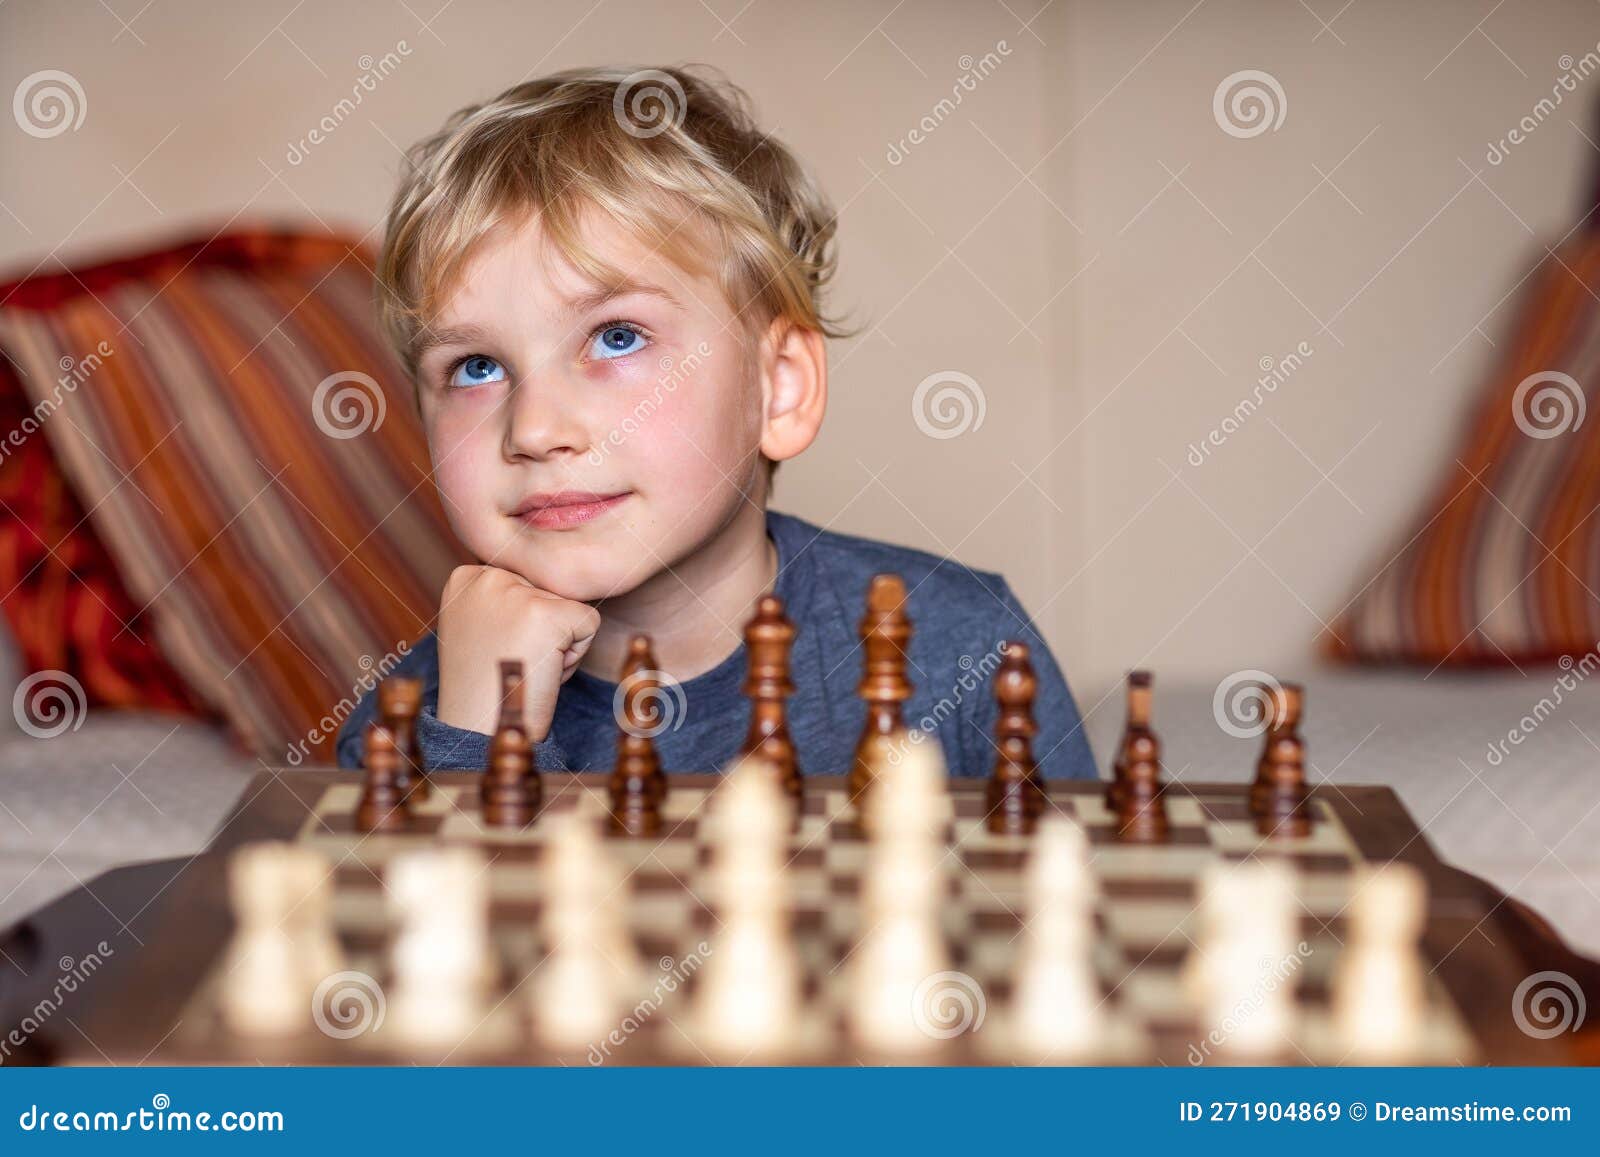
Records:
x=581, y=303
x=600, y=294
x=429, y=337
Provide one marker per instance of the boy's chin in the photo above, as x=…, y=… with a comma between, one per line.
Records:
x=585, y=580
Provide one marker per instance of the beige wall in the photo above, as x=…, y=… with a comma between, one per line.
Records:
x=1078, y=235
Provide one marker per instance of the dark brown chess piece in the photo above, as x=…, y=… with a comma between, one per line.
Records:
x=768, y=640
x=511, y=785
x=1135, y=731
x=885, y=633
x=1137, y=795
x=638, y=785
x=384, y=805
x=1016, y=795
x=399, y=701
x=1279, y=797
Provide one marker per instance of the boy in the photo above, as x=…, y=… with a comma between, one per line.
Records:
x=607, y=287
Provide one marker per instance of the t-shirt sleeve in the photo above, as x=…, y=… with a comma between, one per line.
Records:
x=1061, y=747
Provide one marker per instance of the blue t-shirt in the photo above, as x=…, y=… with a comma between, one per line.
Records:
x=960, y=618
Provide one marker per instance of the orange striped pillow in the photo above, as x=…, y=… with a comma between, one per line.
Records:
x=1503, y=565
x=246, y=448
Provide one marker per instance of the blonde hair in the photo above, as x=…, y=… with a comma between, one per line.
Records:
x=665, y=152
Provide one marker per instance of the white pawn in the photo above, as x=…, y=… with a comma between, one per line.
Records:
x=272, y=966
x=1242, y=969
x=1379, y=988
x=908, y=799
x=748, y=996
x=1058, y=1003
x=318, y=945
x=590, y=962
x=440, y=959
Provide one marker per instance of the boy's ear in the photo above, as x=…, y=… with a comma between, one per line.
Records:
x=794, y=373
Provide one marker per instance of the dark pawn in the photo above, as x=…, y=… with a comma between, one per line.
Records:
x=638, y=785
x=1279, y=797
x=768, y=641
x=1015, y=796
x=1142, y=816
x=384, y=804
x=1136, y=734
x=885, y=633
x=399, y=701
x=511, y=786
x=1138, y=793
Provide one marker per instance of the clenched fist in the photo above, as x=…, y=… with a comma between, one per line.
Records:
x=487, y=614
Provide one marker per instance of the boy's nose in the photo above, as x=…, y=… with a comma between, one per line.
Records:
x=542, y=421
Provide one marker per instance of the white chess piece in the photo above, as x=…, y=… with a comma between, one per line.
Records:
x=748, y=996
x=590, y=963
x=1058, y=1005
x=1379, y=989
x=1242, y=969
x=267, y=981
x=440, y=958
x=901, y=947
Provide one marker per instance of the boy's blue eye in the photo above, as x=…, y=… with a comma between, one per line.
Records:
x=476, y=370
x=616, y=340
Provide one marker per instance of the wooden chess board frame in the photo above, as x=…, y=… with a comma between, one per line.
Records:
x=1478, y=945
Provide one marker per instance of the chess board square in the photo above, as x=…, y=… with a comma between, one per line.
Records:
x=1178, y=836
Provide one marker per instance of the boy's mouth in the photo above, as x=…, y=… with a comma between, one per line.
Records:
x=565, y=509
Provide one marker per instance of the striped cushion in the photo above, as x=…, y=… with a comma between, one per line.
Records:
x=1503, y=563
x=73, y=622
x=247, y=450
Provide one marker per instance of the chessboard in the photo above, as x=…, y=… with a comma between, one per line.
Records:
x=166, y=1007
